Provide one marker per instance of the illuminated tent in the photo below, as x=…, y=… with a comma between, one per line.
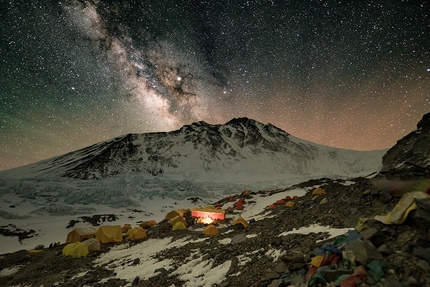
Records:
x=136, y=233
x=211, y=230
x=81, y=233
x=318, y=191
x=242, y=221
x=76, y=249
x=109, y=233
x=214, y=214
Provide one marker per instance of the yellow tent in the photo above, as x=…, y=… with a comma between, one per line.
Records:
x=125, y=228
x=290, y=204
x=211, y=230
x=246, y=192
x=81, y=233
x=179, y=226
x=176, y=212
x=176, y=219
x=76, y=249
x=242, y=221
x=136, y=233
x=318, y=191
x=109, y=233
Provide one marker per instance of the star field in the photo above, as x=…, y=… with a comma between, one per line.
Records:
x=338, y=73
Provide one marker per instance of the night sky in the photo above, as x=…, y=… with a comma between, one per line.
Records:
x=349, y=74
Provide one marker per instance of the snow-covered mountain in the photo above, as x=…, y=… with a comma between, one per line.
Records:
x=240, y=150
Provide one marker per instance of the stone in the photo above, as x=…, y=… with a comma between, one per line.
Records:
x=423, y=203
x=276, y=283
x=135, y=281
x=324, y=201
x=238, y=238
x=385, y=250
x=297, y=280
x=39, y=247
x=271, y=275
x=364, y=251
x=332, y=275
x=392, y=281
x=385, y=197
x=281, y=268
x=421, y=218
x=424, y=265
x=373, y=235
x=136, y=261
x=422, y=252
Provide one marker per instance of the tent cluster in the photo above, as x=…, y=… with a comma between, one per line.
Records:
x=82, y=240
x=289, y=201
x=178, y=218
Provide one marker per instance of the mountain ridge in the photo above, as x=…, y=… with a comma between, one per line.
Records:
x=201, y=150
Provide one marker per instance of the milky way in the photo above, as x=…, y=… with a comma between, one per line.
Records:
x=338, y=73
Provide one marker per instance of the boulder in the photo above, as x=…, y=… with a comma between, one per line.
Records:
x=364, y=251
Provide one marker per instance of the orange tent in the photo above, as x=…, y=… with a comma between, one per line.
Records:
x=295, y=197
x=280, y=201
x=290, y=204
x=211, y=230
x=176, y=212
x=147, y=224
x=288, y=197
x=81, y=233
x=125, y=228
x=242, y=221
x=136, y=233
x=272, y=206
x=109, y=233
x=318, y=191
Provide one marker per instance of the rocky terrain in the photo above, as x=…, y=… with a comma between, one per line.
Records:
x=404, y=249
x=372, y=253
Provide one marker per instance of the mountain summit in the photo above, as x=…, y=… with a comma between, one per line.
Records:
x=240, y=150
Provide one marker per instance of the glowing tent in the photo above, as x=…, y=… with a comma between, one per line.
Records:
x=214, y=214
